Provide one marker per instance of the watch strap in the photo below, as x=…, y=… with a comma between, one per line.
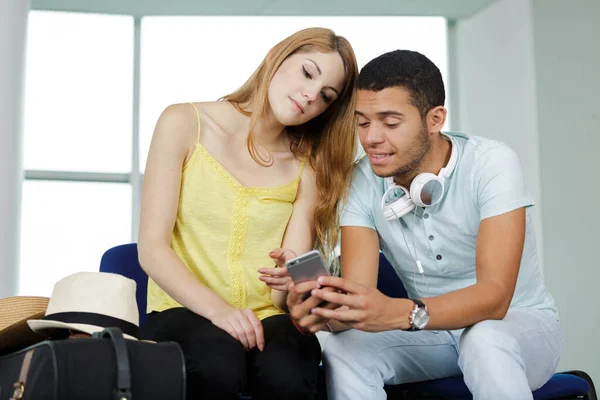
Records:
x=418, y=304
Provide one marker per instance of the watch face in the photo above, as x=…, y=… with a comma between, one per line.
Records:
x=421, y=318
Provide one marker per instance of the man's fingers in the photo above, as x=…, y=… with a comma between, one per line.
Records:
x=319, y=327
x=296, y=291
x=342, y=315
x=301, y=310
x=293, y=298
x=341, y=283
x=304, y=287
x=339, y=298
x=313, y=301
x=303, y=307
x=329, y=306
x=312, y=323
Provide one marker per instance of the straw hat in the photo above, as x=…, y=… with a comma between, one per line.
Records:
x=14, y=313
x=88, y=302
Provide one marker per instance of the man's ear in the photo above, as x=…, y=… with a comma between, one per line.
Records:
x=436, y=118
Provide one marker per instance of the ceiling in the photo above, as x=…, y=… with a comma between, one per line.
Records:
x=451, y=9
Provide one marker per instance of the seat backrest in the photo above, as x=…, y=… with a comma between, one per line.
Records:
x=123, y=260
x=388, y=281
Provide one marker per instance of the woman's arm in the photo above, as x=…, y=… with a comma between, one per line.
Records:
x=300, y=233
x=173, y=141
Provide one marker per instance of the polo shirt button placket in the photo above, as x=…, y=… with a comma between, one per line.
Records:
x=430, y=237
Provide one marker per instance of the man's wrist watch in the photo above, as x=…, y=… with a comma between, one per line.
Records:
x=419, y=316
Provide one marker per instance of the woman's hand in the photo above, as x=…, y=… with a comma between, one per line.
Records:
x=243, y=325
x=278, y=278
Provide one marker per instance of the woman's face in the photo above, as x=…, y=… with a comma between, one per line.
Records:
x=305, y=85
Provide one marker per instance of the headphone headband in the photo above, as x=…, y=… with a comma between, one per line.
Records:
x=447, y=170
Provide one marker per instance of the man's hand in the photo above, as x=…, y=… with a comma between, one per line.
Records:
x=366, y=308
x=278, y=278
x=243, y=325
x=300, y=310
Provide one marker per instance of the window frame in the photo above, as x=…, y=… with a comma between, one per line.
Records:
x=135, y=176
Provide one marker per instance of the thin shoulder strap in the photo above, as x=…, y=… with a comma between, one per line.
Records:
x=302, y=163
x=198, y=118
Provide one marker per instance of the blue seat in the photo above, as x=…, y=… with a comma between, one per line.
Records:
x=123, y=260
x=565, y=385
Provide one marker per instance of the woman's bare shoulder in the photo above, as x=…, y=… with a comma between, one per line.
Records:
x=179, y=120
x=219, y=116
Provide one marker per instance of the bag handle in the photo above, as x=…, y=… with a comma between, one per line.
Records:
x=123, y=390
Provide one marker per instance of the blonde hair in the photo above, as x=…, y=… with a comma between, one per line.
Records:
x=329, y=139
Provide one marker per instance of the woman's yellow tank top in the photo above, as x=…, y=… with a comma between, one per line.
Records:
x=224, y=232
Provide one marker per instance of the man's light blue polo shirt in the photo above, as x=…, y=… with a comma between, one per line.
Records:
x=487, y=181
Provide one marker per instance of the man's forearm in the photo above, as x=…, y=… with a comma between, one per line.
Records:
x=465, y=307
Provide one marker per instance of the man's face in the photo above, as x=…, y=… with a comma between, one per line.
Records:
x=392, y=132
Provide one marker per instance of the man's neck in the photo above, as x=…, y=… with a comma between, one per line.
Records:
x=436, y=159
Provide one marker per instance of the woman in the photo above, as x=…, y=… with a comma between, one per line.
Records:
x=228, y=185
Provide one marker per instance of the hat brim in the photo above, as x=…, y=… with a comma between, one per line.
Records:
x=19, y=335
x=17, y=309
x=42, y=326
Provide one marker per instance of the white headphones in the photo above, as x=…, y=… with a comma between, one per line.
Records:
x=426, y=190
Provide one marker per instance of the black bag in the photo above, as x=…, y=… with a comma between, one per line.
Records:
x=106, y=367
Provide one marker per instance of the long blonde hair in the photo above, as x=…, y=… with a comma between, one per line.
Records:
x=329, y=139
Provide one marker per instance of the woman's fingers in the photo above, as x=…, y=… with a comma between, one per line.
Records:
x=240, y=332
x=259, y=338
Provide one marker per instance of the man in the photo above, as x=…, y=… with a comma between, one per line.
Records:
x=452, y=215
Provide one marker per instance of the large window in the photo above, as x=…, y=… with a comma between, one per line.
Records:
x=66, y=227
x=85, y=144
x=78, y=127
x=78, y=100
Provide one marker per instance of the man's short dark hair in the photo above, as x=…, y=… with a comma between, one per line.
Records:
x=410, y=70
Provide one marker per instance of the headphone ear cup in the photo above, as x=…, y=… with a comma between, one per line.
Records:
x=398, y=208
x=416, y=187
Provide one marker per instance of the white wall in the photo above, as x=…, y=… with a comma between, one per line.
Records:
x=496, y=86
x=527, y=75
x=567, y=59
x=13, y=28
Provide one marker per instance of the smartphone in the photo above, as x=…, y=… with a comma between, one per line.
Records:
x=307, y=267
